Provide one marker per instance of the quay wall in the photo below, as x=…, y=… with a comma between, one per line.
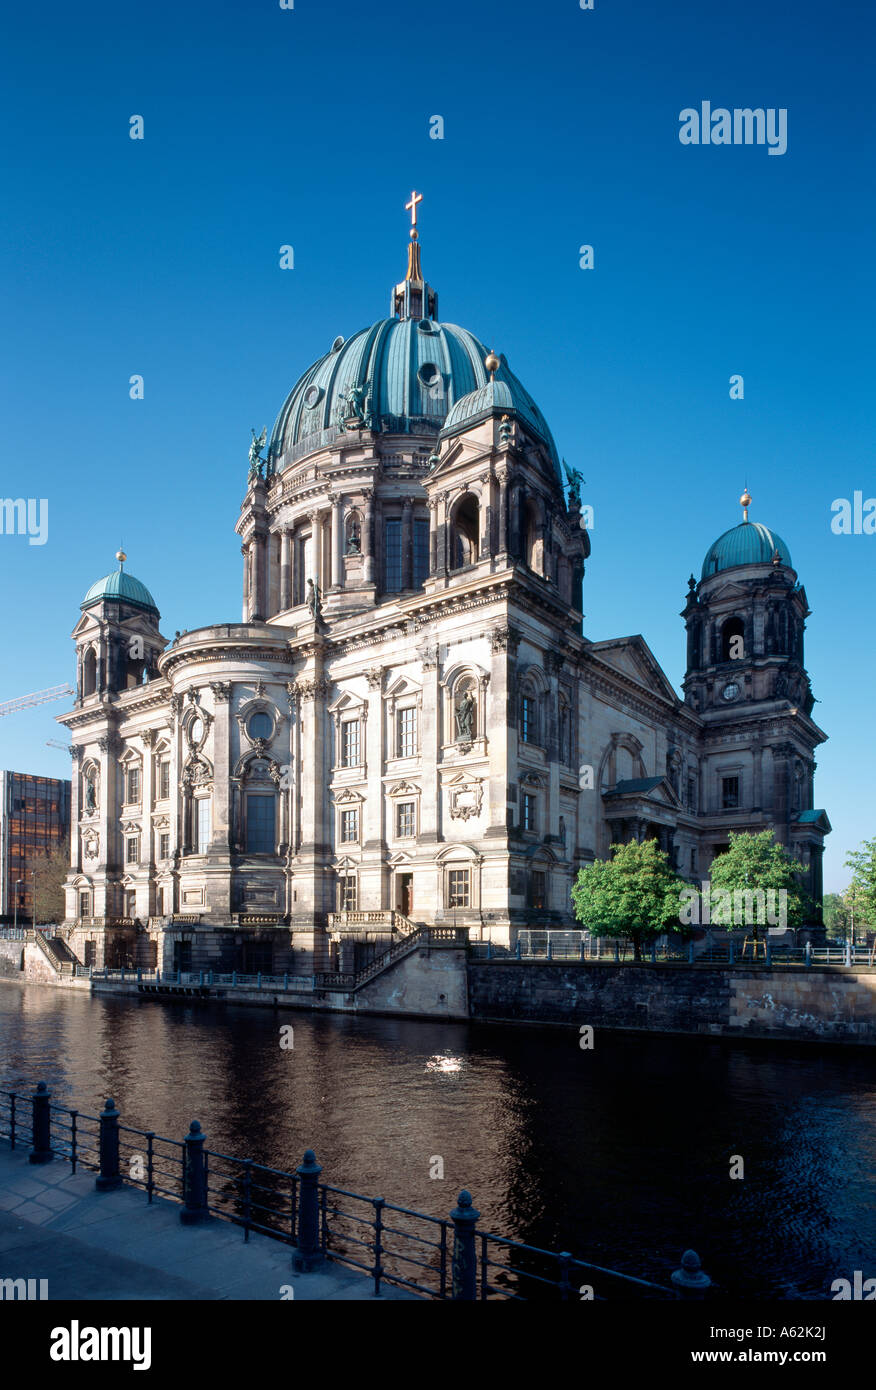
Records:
x=833, y=1004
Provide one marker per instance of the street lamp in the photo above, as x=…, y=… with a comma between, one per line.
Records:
x=33, y=891
x=17, y=881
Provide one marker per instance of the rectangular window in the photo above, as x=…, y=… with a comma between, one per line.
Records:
x=538, y=888
x=203, y=824
x=528, y=719
x=260, y=824
x=729, y=793
x=132, y=849
x=348, y=896
x=528, y=812
x=133, y=786
x=392, y=557
x=407, y=733
x=164, y=846
x=691, y=793
x=405, y=819
x=459, y=888
x=350, y=743
x=163, y=781
x=349, y=826
x=421, y=551
x=84, y=904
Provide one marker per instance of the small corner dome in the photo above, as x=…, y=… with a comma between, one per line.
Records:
x=120, y=587
x=496, y=395
x=749, y=543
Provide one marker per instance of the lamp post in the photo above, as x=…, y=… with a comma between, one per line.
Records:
x=33, y=892
x=17, y=881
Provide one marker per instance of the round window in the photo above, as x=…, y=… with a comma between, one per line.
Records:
x=312, y=396
x=429, y=374
x=260, y=725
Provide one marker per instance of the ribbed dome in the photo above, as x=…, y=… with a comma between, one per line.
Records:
x=121, y=587
x=749, y=543
x=405, y=375
x=496, y=395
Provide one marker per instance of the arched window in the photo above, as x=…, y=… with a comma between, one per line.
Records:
x=732, y=639
x=89, y=673
x=464, y=532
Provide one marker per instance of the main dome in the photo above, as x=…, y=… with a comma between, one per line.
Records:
x=405, y=376
x=749, y=543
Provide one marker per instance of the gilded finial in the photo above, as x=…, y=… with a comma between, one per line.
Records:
x=491, y=362
x=121, y=557
x=745, y=503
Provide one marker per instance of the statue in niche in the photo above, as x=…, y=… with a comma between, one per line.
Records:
x=90, y=793
x=314, y=600
x=354, y=536
x=355, y=397
x=563, y=831
x=465, y=712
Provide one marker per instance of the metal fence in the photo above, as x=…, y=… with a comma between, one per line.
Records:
x=435, y=1257
x=562, y=945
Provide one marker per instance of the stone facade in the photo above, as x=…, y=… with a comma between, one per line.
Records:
x=425, y=735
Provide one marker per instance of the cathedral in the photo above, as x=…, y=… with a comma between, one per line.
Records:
x=408, y=724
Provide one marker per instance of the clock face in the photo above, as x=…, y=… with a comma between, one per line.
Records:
x=730, y=691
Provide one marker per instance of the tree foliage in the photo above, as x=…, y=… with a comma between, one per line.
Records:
x=635, y=893
x=758, y=863
x=47, y=887
x=862, y=862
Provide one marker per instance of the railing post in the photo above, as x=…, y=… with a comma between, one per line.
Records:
x=690, y=954
x=234, y=979
x=259, y=980
x=73, y=1117
x=617, y=953
x=769, y=952
x=489, y=949
x=808, y=955
x=42, y=1126
x=848, y=954
x=691, y=1280
x=464, y=1217
x=195, y=1178
x=285, y=979
x=308, y=1255
x=377, y=1270
x=109, y=1177
x=653, y=952
x=732, y=953
x=565, y=1283
x=12, y=1099
x=550, y=948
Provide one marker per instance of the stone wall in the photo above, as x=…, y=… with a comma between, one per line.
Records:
x=784, y=1002
x=37, y=970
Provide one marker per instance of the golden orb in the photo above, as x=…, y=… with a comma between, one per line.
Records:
x=491, y=362
x=121, y=556
x=745, y=499
x=415, y=235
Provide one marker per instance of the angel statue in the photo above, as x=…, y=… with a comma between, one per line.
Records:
x=575, y=480
x=256, y=462
x=314, y=600
x=465, y=711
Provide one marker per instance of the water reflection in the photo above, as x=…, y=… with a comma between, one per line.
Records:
x=621, y=1155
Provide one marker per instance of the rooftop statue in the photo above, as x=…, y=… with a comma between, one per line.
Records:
x=256, y=462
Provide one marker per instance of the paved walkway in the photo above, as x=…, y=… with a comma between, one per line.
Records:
x=115, y=1245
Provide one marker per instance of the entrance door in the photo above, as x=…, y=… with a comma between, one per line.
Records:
x=406, y=894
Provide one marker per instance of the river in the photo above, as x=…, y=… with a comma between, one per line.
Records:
x=621, y=1154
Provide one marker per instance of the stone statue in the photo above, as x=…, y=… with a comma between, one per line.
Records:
x=90, y=793
x=355, y=396
x=354, y=538
x=314, y=600
x=575, y=480
x=256, y=462
x=465, y=711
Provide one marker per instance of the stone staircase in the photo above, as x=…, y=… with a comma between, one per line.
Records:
x=414, y=938
x=57, y=953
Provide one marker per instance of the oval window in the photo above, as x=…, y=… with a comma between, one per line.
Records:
x=260, y=725
x=429, y=374
x=196, y=729
x=312, y=396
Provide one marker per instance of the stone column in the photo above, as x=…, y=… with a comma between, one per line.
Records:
x=430, y=745
x=285, y=569
x=337, y=544
x=110, y=833
x=433, y=535
x=147, y=803
x=75, y=836
x=500, y=723
x=757, y=775
x=372, y=808
x=259, y=596
x=554, y=664
x=368, y=534
x=503, y=513
x=221, y=808
x=407, y=543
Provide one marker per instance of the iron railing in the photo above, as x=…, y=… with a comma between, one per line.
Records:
x=435, y=1257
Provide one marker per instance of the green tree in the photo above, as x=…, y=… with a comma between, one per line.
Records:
x=837, y=919
x=862, y=862
x=635, y=893
x=753, y=865
x=47, y=886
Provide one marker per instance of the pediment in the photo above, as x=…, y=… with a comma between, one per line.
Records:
x=633, y=657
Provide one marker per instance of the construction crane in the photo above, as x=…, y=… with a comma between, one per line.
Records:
x=38, y=697
x=54, y=743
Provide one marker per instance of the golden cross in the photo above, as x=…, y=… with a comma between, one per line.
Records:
x=411, y=207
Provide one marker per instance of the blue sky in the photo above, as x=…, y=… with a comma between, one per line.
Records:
x=310, y=126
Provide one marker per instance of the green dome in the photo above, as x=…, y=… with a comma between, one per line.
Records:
x=749, y=543
x=121, y=588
